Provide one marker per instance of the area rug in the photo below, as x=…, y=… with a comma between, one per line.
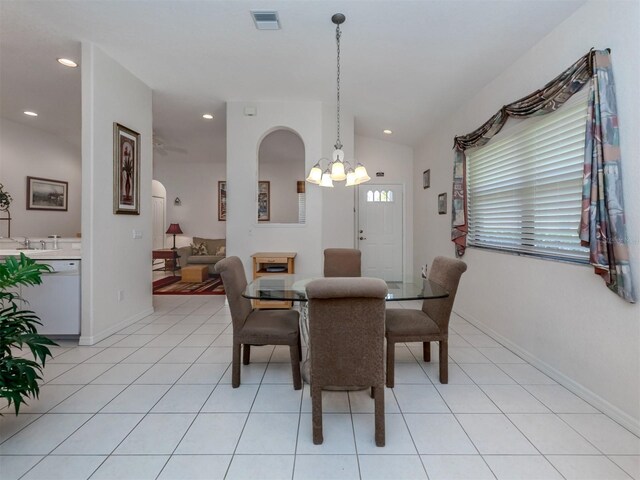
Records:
x=175, y=286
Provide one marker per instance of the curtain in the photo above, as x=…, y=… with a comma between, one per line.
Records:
x=549, y=98
x=602, y=226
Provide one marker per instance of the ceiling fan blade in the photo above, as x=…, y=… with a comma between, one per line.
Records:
x=160, y=151
x=176, y=149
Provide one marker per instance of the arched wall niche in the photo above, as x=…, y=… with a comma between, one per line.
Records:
x=280, y=195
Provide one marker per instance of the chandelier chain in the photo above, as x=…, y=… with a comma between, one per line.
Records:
x=338, y=143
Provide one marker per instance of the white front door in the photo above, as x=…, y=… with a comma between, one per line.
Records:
x=380, y=237
x=157, y=208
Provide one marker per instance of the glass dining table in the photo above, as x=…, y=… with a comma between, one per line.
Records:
x=292, y=287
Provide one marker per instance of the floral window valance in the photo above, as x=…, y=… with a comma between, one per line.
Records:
x=602, y=227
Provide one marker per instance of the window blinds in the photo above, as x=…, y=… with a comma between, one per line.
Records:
x=524, y=186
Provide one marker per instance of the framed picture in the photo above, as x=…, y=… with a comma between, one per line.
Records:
x=264, y=202
x=47, y=194
x=126, y=170
x=222, y=201
x=442, y=203
x=426, y=178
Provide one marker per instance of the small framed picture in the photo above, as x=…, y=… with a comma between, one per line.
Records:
x=47, y=194
x=222, y=201
x=264, y=201
x=126, y=170
x=426, y=178
x=442, y=203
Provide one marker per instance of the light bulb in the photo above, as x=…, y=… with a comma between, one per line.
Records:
x=337, y=171
x=326, y=179
x=315, y=175
x=351, y=178
x=361, y=174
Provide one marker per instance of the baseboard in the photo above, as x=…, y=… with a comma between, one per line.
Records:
x=587, y=395
x=92, y=340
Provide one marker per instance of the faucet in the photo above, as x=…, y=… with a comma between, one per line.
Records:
x=27, y=243
x=43, y=245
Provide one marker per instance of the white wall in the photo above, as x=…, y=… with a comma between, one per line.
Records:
x=244, y=134
x=283, y=178
x=396, y=161
x=112, y=261
x=27, y=151
x=196, y=183
x=560, y=316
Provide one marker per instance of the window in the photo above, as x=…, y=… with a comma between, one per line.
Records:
x=524, y=186
x=377, y=196
x=302, y=209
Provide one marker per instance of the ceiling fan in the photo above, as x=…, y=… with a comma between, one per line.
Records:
x=160, y=147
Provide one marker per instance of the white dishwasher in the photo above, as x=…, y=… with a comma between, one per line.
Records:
x=57, y=300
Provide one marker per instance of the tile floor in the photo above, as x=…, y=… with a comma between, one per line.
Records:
x=155, y=401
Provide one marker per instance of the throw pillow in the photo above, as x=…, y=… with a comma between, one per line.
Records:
x=199, y=249
x=221, y=252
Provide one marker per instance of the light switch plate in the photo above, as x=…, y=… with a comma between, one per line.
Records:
x=137, y=234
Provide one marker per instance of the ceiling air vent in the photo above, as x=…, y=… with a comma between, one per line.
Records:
x=266, y=19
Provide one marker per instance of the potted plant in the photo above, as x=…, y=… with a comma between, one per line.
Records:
x=18, y=328
x=5, y=199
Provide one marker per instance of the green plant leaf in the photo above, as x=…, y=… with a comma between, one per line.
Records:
x=19, y=376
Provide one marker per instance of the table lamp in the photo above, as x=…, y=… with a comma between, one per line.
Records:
x=174, y=229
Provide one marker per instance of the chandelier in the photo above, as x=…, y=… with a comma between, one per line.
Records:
x=337, y=168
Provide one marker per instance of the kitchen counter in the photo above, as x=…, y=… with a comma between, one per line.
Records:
x=45, y=254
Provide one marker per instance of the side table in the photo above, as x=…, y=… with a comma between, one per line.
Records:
x=169, y=256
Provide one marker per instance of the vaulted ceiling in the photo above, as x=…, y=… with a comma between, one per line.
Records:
x=405, y=64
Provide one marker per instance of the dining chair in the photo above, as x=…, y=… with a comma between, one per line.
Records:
x=346, y=342
x=431, y=323
x=342, y=262
x=256, y=327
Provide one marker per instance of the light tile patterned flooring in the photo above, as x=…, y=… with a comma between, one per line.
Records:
x=155, y=401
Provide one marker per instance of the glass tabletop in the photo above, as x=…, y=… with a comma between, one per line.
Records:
x=292, y=288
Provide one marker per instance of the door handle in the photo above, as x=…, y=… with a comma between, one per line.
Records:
x=363, y=238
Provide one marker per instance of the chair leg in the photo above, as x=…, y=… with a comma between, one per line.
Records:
x=391, y=355
x=444, y=363
x=299, y=347
x=378, y=393
x=316, y=414
x=426, y=351
x=246, y=354
x=295, y=367
x=235, y=365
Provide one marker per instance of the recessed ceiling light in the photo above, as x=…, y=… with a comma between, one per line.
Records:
x=67, y=63
x=388, y=132
x=31, y=114
x=207, y=116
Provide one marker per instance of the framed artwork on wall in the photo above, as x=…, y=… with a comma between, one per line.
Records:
x=126, y=170
x=426, y=178
x=442, y=203
x=264, y=201
x=222, y=201
x=47, y=194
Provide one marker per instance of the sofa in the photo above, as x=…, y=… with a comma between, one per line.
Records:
x=211, y=252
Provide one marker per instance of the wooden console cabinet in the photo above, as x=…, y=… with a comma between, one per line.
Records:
x=272, y=263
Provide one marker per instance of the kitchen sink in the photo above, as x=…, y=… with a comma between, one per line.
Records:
x=28, y=252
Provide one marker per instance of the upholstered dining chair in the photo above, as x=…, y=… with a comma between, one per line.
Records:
x=342, y=262
x=431, y=323
x=346, y=342
x=256, y=327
